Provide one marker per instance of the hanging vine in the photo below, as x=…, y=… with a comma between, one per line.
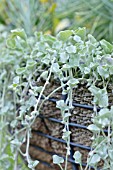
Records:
x=71, y=58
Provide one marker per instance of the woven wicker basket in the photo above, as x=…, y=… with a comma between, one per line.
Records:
x=81, y=116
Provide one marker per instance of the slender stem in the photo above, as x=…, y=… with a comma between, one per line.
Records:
x=16, y=160
x=104, y=134
x=46, y=98
x=81, y=167
x=66, y=161
x=44, y=86
x=18, y=132
x=60, y=167
x=109, y=134
x=23, y=154
x=69, y=99
x=39, y=98
x=2, y=116
x=27, y=147
x=55, y=91
x=96, y=149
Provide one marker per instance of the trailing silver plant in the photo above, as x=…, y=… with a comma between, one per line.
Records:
x=71, y=57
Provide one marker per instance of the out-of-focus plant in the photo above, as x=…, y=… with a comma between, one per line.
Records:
x=7, y=109
x=52, y=16
x=3, y=15
x=31, y=15
x=95, y=15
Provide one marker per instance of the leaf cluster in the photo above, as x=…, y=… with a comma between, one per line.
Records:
x=71, y=57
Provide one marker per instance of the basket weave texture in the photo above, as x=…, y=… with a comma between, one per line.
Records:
x=79, y=115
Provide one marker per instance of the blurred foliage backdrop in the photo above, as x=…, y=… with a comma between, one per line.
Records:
x=51, y=16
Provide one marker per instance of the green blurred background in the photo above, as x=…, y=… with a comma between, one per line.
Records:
x=51, y=16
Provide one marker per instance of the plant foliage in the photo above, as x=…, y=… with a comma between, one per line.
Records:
x=71, y=57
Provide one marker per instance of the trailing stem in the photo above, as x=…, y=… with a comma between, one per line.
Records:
x=2, y=117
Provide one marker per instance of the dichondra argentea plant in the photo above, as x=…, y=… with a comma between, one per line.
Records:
x=70, y=58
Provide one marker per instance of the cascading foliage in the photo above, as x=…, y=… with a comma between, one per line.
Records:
x=70, y=58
